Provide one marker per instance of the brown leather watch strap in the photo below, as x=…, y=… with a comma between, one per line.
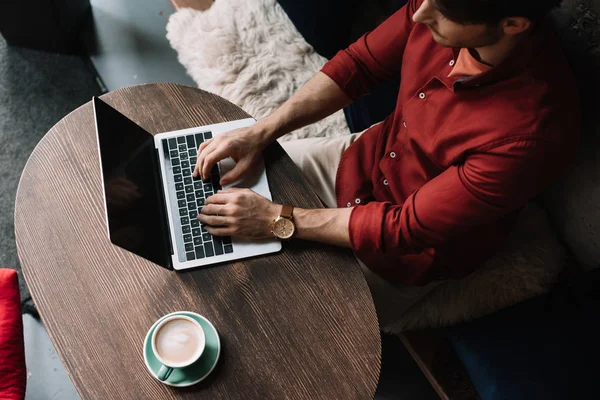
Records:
x=287, y=212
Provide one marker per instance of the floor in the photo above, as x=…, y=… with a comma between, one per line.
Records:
x=128, y=46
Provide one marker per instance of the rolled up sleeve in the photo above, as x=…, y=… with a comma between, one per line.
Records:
x=487, y=186
x=374, y=58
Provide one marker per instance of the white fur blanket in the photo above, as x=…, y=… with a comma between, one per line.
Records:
x=250, y=53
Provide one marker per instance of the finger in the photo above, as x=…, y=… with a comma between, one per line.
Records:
x=236, y=173
x=204, y=150
x=214, y=220
x=217, y=209
x=218, y=198
x=210, y=160
x=220, y=231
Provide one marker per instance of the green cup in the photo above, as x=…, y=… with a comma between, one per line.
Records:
x=177, y=342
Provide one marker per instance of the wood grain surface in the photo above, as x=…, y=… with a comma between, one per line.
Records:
x=299, y=324
x=195, y=4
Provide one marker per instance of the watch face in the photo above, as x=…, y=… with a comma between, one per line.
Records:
x=283, y=228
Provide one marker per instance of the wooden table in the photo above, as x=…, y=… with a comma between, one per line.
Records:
x=297, y=324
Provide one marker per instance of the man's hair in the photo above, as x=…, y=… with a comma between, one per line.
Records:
x=492, y=11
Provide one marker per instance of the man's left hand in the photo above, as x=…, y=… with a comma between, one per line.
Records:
x=239, y=212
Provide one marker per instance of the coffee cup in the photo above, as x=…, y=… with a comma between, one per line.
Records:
x=177, y=342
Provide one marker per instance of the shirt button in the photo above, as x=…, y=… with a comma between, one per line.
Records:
x=452, y=63
x=385, y=182
x=404, y=123
x=421, y=95
x=349, y=204
x=393, y=155
x=357, y=201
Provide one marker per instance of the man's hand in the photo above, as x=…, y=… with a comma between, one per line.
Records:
x=244, y=145
x=239, y=212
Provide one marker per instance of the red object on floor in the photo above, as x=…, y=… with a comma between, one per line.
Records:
x=13, y=374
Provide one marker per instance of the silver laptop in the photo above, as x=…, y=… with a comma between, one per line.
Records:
x=151, y=199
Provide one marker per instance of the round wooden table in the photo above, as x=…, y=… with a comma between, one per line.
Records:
x=297, y=324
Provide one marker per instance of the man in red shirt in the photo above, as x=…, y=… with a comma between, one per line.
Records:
x=487, y=115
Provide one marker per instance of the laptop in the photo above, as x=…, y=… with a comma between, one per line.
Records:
x=152, y=201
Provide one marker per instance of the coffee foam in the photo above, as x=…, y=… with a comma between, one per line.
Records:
x=178, y=341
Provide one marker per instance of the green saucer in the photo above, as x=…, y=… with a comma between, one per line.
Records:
x=199, y=370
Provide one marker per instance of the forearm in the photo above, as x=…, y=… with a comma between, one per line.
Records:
x=317, y=99
x=328, y=225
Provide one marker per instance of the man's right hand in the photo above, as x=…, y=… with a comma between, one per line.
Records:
x=244, y=146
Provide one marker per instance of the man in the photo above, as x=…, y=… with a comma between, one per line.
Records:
x=486, y=117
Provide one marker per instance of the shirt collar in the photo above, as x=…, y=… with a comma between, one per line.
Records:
x=513, y=65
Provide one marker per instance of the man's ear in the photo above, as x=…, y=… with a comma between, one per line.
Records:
x=515, y=25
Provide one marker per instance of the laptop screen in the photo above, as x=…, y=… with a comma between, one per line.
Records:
x=133, y=195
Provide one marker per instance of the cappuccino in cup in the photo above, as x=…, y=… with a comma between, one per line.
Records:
x=177, y=342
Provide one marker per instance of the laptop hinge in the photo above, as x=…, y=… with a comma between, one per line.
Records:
x=163, y=214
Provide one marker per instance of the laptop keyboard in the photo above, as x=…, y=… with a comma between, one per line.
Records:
x=191, y=193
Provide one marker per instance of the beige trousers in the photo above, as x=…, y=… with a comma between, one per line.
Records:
x=318, y=158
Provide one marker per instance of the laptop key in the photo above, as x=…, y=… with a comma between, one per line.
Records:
x=186, y=229
x=181, y=203
x=189, y=189
x=187, y=180
x=175, y=161
x=206, y=237
x=179, y=186
x=207, y=135
x=185, y=164
x=187, y=172
x=190, y=141
x=185, y=221
x=190, y=256
x=181, y=195
x=196, y=232
x=207, y=187
x=199, y=139
x=227, y=240
x=198, y=185
x=195, y=223
x=190, y=206
x=174, y=153
x=208, y=249
x=182, y=212
x=187, y=238
x=182, y=148
x=197, y=241
x=193, y=160
x=203, y=228
x=199, y=252
x=181, y=139
x=192, y=152
x=176, y=170
x=200, y=201
x=178, y=178
x=193, y=214
x=218, y=245
x=228, y=248
x=190, y=197
x=189, y=247
x=172, y=143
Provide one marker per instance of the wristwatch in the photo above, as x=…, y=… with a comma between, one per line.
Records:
x=283, y=226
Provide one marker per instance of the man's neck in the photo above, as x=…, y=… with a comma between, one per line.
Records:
x=496, y=53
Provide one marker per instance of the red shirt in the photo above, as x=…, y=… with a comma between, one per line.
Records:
x=437, y=186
